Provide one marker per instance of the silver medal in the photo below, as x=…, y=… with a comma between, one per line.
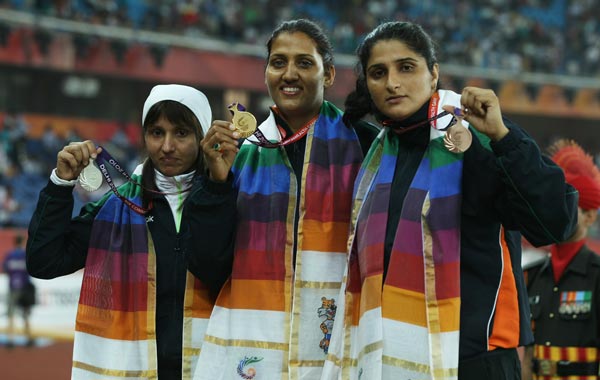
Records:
x=90, y=177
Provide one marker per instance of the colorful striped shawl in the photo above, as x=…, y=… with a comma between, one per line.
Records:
x=272, y=319
x=411, y=328
x=115, y=325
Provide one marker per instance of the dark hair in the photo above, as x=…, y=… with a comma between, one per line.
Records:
x=312, y=30
x=359, y=103
x=177, y=114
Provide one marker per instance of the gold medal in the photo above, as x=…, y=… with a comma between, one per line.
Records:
x=90, y=177
x=244, y=122
x=458, y=139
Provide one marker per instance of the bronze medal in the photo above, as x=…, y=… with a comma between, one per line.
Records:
x=458, y=139
x=244, y=122
x=90, y=177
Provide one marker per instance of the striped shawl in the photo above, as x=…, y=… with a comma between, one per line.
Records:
x=115, y=325
x=273, y=319
x=408, y=326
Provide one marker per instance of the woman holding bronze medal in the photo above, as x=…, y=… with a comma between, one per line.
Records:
x=155, y=251
x=294, y=177
x=435, y=288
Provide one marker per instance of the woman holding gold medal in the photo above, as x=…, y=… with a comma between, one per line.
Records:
x=294, y=176
x=156, y=250
x=435, y=288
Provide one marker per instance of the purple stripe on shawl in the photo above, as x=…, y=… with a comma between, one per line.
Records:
x=371, y=231
x=444, y=213
x=123, y=266
x=260, y=251
x=320, y=178
x=111, y=238
x=339, y=152
x=263, y=208
x=380, y=203
x=259, y=236
x=413, y=204
x=446, y=246
x=325, y=202
x=408, y=238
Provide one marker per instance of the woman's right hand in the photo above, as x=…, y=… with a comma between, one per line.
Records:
x=220, y=146
x=74, y=157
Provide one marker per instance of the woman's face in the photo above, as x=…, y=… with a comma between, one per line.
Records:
x=172, y=149
x=296, y=77
x=398, y=79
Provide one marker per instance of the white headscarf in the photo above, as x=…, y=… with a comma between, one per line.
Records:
x=193, y=99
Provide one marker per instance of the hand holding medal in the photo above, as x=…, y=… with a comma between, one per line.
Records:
x=90, y=177
x=481, y=109
x=220, y=144
x=75, y=161
x=458, y=137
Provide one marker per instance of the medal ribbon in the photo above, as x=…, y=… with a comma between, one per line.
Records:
x=105, y=157
x=431, y=121
x=263, y=142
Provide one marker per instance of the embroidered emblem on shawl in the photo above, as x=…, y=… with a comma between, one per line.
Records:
x=281, y=291
x=247, y=373
x=327, y=310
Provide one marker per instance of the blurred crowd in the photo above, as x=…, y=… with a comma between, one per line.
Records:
x=26, y=163
x=549, y=36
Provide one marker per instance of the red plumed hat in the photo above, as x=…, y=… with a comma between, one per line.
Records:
x=580, y=171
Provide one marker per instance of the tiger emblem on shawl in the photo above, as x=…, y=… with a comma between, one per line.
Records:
x=327, y=310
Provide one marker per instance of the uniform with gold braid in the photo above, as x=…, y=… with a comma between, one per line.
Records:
x=564, y=289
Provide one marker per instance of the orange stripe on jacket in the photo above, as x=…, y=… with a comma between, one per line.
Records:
x=505, y=332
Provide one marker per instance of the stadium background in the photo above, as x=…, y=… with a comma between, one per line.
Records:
x=72, y=70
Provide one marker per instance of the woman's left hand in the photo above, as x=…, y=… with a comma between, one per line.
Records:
x=481, y=109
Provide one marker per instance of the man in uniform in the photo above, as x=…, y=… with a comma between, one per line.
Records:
x=564, y=289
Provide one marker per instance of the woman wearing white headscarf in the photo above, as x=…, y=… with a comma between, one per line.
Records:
x=156, y=250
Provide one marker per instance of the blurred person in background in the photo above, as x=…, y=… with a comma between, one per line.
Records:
x=156, y=250
x=274, y=317
x=21, y=291
x=564, y=289
x=435, y=288
x=14, y=135
x=8, y=204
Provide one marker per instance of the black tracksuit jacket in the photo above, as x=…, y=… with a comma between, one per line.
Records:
x=58, y=246
x=510, y=185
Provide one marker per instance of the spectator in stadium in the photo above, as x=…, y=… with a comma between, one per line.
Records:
x=563, y=288
x=436, y=250
x=21, y=291
x=156, y=251
x=294, y=192
x=14, y=131
x=8, y=204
